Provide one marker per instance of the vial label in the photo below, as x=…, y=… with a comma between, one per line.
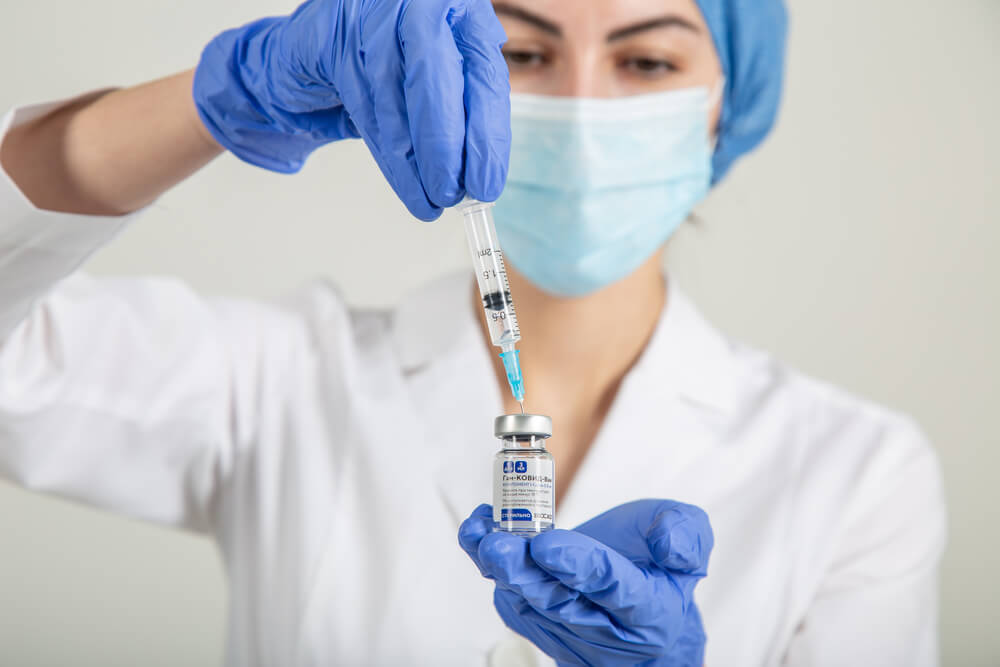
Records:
x=523, y=490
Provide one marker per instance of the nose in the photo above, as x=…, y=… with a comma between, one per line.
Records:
x=585, y=76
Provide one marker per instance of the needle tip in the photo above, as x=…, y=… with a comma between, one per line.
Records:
x=521, y=403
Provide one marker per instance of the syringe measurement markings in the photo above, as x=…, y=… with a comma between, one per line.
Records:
x=506, y=285
x=503, y=270
x=503, y=276
x=489, y=269
x=498, y=300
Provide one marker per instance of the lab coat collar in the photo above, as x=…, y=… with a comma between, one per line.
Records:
x=687, y=365
x=669, y=415
x=432, y=320
x=685, y=355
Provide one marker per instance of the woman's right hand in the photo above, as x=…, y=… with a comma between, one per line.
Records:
x=423, y=82
x=616, y=590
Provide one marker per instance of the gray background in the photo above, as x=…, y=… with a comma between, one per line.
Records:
x=859, y=244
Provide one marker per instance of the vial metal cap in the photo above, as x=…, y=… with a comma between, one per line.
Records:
x=539, y=426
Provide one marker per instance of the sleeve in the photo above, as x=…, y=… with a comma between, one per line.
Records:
x=38, y=247
x=877, y=604
x=133, y=395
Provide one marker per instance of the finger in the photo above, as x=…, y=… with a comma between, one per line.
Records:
x=680, y=538
x=536, y=628
x=574, y=611
x=473, y=530
x=607, y=578
x=561, y=639
x=358, y=103
x=665, y=533
x=506, y=559
x=362, y=113
x=479, y=36
x=388, y=135
x=689, y=649
x=434, y=99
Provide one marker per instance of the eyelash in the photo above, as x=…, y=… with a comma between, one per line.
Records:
x=638, y=66
x=519, y=58
x=647, y=67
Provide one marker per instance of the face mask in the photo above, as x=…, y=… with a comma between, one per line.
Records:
x=596, y=186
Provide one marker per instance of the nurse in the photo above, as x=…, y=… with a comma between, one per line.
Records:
x=331, y=453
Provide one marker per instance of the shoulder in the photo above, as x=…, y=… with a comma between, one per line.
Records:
x=826, y=424
x=758, y=401
x=862, y=478
x=329, y=317
x=427, y=322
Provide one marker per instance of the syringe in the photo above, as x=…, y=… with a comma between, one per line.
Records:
x=491, y=276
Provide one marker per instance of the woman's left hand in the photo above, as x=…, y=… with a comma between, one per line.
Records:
x=618, y=590
x=423, y=82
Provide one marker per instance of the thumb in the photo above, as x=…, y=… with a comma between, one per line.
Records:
x=665, y=533
x=680, y=538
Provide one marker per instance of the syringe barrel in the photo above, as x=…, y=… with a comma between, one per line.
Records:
x=491, y=274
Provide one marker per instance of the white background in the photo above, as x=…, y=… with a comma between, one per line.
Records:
x=860, y=244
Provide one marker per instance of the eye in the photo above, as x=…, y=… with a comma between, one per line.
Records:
x=648, y=67
x=524, y=58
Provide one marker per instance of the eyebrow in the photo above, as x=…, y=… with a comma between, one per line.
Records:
x=502, y=8
x=668, y=21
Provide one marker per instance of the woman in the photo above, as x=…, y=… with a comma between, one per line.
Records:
x=333, y=454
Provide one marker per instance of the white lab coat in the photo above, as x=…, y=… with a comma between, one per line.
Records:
x=332, y=454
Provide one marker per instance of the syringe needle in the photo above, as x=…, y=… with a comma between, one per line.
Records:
x=521, y=403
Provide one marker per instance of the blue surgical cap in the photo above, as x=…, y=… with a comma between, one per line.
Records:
x=749, y=38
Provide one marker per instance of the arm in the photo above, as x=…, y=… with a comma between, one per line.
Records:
x=424, y=84
x=110, y=152
x=134, y=395
x=138, y=395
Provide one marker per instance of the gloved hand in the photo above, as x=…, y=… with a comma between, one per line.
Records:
x=423, y=82
x=615, y=591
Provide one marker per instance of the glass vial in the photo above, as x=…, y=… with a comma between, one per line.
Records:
x=524, y=475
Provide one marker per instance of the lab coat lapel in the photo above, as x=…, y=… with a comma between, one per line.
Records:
x=452, y=383
x=668, y=416
x=463, y=423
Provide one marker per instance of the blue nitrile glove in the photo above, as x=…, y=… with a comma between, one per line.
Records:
x=615, y=591
x=423, y=82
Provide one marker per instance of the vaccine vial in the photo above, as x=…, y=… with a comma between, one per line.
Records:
x=524, y=475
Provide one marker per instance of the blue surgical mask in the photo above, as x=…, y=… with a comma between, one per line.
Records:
x=596, y=186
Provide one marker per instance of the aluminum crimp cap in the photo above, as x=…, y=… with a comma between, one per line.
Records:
x=539, y=426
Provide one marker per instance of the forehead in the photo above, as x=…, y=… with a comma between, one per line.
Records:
x=592, y=18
